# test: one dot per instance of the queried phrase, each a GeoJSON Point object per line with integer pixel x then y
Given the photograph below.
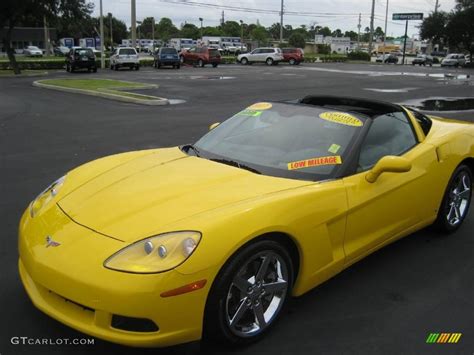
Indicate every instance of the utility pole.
{"type": "Point", "coordinates": [134, 24]}
{"type": "Point", "coordinates": [153, 34]}
{"type": "Point", "coordinates": [385, 33]}
{"type": "Point", "coordinates": [281, 22]}
{"type": "Point", "coordinates": [201, 19]}
{"type": "Point", "coordinates": [371, 27]}
{"type": "Point", "coordinates": [222, 19]}
{"type": "Point", "coordinates": [241, 35]}
{"type": "Point", "coordinates": [111, 33]}
{"type": "Point", "coordinates": [436, 6]}
{"type": "Point", "coordinates": [46, 36]}
{"type": "Point", "coordinates": [358, 33]}
{"type": "Point", "coordinates": [102, 55]}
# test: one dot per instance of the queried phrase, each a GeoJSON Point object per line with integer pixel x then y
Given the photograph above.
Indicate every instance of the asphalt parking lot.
{"type": "Point", "coordinates": [387, 303]}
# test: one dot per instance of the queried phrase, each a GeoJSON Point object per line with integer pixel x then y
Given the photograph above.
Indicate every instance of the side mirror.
{"type": "Point", "coordinates": [214, 125]}
{"type": "Point", "coordinates": [388, 164]}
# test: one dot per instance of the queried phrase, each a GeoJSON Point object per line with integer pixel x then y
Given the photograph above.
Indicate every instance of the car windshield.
{"type": "Point", "coordinates": [85, 51]}
{"type": "Point", "coordinates": [451, 56]}
{"type": "Point", "coordinates": [287, 140]}
{"type": "Point", "coordinates": [127, 51]}
{"type": "Point", "coordinates": [168, 51]}
{"type": "Point", "coordinates": [214, 52]}
{"type": "Point", "coordinates": [33, 47]}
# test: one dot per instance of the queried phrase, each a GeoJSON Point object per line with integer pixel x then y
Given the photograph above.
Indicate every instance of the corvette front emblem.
{"type": "Point", "coordinates": [51, 243]}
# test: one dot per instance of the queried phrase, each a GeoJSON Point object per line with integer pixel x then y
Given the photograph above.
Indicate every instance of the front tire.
{"type": "Point", "coordinates": [292, 61]}
{"type": "Point", "coordinates": [200, 63]}
{"type": "Point", "coordinates": [456, 201]}
{"type": "Point", "coordinates": [244, 61]}
{"type": "Point", "coordinates": [269, 61]}
{"type": "Point", "coordinates": [249, 293]}
{"type": "Point", "coordinates": [214, 65]}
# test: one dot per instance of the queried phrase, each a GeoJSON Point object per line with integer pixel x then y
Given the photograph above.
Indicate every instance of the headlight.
{"type": "Point", "coordinates": [155, 254]}
{"type": "Point", "coordinates": [46, 196]}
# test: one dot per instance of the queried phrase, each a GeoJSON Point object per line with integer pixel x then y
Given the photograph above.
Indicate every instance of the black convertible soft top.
{"type": "Point", "coordinates": [371, 108]}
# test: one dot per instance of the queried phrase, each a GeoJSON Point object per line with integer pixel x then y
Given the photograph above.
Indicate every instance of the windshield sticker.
{"type": "Point", "coordinates": [251, 113]}
{"type": "Point", "coordinates": [334, 148]}
{"type": "Point", "coordinates": [309, 163]}
{"type": "Point", "coordinates": [341, 118]}
{"type": "Point", "coordinates": [260, 106]}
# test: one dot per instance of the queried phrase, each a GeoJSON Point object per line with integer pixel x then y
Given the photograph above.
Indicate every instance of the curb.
{"type": "Point", "coordinates": [107, 95]}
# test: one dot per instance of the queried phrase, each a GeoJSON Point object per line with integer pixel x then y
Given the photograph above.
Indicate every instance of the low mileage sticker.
{"type": "Point", "coordinates": [341, 118]}
{"type": "Point", "coordinates": [309, 163]}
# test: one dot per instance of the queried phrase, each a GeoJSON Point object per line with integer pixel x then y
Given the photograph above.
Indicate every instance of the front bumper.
{"type": "Point", "coordinates": [70, 284]}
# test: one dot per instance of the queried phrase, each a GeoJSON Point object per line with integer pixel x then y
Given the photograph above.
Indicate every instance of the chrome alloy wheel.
{"type": "Point", "coordinates": [256, 294]}
{"type": "Point", "coordinates": [459, 198]}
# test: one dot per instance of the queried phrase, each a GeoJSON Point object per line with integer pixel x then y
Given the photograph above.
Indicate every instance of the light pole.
{"type": "Point", "coordinates": [385, 34]}
{"type": "Point", "coordinates": [111, 33]}
{"type": "Point", "coordinates": [201, 19]}
{"type": "Point", "coordinates": [371, 28]}
{"type": "Point", "coordinates": [102, 56]}
{"type": "Point", "coordinates": [281, 22]}
{"type": "Point", "coordinates": [134, 24]}
{"type": "Point", "coordinates": [139, 36]}
{"type": "Point", "coordinates": [241, 36]}
{"type": "Point", "coordinates": [153, 34]}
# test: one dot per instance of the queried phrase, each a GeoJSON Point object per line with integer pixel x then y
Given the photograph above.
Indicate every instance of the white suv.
{"type": "Point", "coordinates": [269, 56]}
{"type": "Point", "coordinates": [124, 57]}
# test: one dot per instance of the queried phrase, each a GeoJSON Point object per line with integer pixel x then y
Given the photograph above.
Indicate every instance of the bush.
{"type": "Point", "coordinates": [297, 40]}
{"type": "Point", "coordinates": [359, 56]}
{"type": "Point", "coordinates": [323, 48]}
{"type": "Point", "coordinates": [57, 64]}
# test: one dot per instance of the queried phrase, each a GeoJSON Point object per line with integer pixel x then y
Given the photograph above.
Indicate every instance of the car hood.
{"type": "Point", "coordinates": [139, 198]}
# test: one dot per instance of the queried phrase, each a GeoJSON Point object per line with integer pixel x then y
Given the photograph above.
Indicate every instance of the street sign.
{"type": "Point", "coordinates": [408, 16]}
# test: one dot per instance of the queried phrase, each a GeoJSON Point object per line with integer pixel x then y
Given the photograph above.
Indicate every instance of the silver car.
{"type": "Point", "coordinates": [32, 51]}
{"type": "Point", "coordinates": [454, 60]}
{"type": "Point", "coordinates": [270, 56]}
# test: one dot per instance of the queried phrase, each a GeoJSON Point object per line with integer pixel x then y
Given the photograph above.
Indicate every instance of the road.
{"type": "Point", "coordinates": [384, 304]}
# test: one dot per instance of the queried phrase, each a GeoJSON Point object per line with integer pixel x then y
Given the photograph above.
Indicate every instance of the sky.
{"type": "Point", "coordinates": [342, 14]}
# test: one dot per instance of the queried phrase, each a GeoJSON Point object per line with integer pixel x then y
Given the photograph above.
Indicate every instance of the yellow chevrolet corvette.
{"type": "Point", "coordinates": [166, 246]}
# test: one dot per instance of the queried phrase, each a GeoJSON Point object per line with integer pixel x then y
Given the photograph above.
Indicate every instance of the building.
{"type": "Point", "coordinates": [339, 45]}
{"type": "Point", "coordinates": [28, 36]}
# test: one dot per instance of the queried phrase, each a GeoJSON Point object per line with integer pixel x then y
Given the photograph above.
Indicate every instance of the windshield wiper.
{"type": "Point", "coordinates": [236, 164]}
{"type": "Point", "coordinates": [192, 147]}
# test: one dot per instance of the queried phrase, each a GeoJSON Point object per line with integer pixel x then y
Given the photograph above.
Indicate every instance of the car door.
{"type": "Point", "coordinates": [190, 56]}
{"type": "Point", "coordinates": [396, 202]}
{"type": "Point", "coordinates": [256, 55]}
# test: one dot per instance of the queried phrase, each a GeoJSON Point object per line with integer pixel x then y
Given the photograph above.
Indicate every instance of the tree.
{"type": "Point", "coordinates": [211, 31]}
{"type": "Point", "coordinates": [325, 31]}
{"type": "Point", "coordinates": [297, 40]}
{"type": "Point", "coordinates": [259, 34]}
{"type": "Point", "coordinates": [17, 12]}
{"type": "Point", "coordinates": [433, 27]}
{"type": "Point", "coordinates": [337, 33]}
{"type": "Point", "coordinates": [231, 29]}
{"type": "Point", "coordinates": [379, 33]}
{"type": "Point", "coordinates": [189, 30]}
{"type": "Point", "coordinates": [165, 29]}
{"type": "Point", "coordinates": [119, 30]}
{"type": "Point", "coordinates": [352, 35]}
{"type": "Point", "coordinates": [460, 29]}
{"type": "Point", "coordinates": [146, 27]}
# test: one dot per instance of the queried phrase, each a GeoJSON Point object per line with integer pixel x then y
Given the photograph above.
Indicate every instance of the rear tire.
{"type": "Point", "coordinates": [94, 69]}
{"type": "Point", "coordinates": [178, 66]}
{"type": "Point", "coordinates": [269, 61]}
{"type": "Point", "coordinates": [249, 293]}
{"type": "Point", "coordinates": [456, 201]}
{"type": "Point", "coordinates": [214, 65]}
{"type": "Point", "coordinates": [200, 63]}
{"type": "Point", "coordinates": [292, 61]}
